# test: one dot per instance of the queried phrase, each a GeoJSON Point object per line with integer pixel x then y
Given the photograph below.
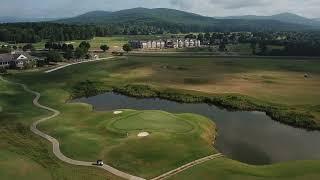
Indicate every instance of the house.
{"type": "Point", "coordinates": [5, 60]}
{"type": "Point", "coordinates": [15, 60]}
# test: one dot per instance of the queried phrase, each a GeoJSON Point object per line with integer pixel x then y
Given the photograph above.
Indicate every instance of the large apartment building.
{"type": "Point", "coordinates": [162, 44]}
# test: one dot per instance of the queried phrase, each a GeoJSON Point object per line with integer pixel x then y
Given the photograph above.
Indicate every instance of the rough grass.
{"type": "Point", "coordinates": [224, 169]}
{"type": "Point", "coordinates": [24, 155]}
{"type": "Point", "coordinates": [83, 136]}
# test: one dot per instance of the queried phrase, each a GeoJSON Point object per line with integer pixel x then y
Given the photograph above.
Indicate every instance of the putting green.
{"type": "Point", "coordinates": [151, 121]}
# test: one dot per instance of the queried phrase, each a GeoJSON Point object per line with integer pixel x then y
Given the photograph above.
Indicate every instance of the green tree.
{"type": "Point", "coordinates": [68, 54]}
{"type": "Point", "coordinates": [253, 46]}
{"type": "Point", "coordinates": [54, 56]}
{"type": "Point", "coordinates": [85, 45]}
{"type": "Point", "coordinates": [222, 47]}
{"type": "Point", "coordinates": [127, 48]}
{"type": "Point", "coordinates": [104, 47]}
{"type": "Point", "coordinates": [28, 47]}
{"type": "Point", "coordinates": [80, 53]}
{"type": "Point", "coordinates": [200, 37]}
{"type": "Point", "coordinates": [263, 47]}
{"type": "Point", "coordinates": [207, 36]}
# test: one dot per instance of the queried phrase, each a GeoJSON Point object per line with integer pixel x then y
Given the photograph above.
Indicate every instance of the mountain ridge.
{"type": "Point", "coordinates": [170, 17]}
{"type": "Point", "coordinates": [283, 17]}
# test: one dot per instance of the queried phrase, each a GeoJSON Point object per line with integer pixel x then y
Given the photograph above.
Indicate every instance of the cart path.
{"type": "Point", "coordinates": [70, 64]}
{"type": "Point", "coordinates": [55, 142]}
{"type": "Point", "coordinates": [187, 166]}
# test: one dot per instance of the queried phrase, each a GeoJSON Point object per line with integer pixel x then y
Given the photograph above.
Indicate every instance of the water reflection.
{"type": "Point", "coordinates": [250, 137]}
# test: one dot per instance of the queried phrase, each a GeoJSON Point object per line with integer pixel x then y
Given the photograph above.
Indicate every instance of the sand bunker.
{"type": "Point", "coordinates": [143, 134]}
{"type": "Point", "coordinates": [117, 112]}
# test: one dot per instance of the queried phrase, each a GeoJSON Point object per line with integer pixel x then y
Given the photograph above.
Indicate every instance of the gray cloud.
{"type": "Point", "coordinates": [63, 8]}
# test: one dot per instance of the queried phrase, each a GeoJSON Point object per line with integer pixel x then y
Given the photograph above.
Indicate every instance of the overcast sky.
{"type": "Point", "coordinates": [67, 8]}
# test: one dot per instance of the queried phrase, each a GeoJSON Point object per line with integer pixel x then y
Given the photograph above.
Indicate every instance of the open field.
{"type": "Point", "coordinates": [274, 80]}
{"type": "Point", "coordinates": [224, 169]}
{"type": "Point", "coordinates": [86, 135]}
{"type": "Point", "coordinates": [114, 42]}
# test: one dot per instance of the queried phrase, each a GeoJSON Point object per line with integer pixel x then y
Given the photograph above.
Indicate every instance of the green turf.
{"type": "Point", "coordinates": [151, 121]}
{"type": "Point", "coordinates": [14, 166]}
{"type": "Point", "coordinates": [225, 169]}
{"type": "Point", "coordinates": [87, 135]}
{"type": "Point", "coordinates": [24, 155]}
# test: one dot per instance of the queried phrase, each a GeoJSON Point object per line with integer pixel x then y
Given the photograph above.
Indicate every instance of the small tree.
{"type": "Point", "coordinates": [263, 47]}
{"type": "Point", "coordinates": [222, 47]}
{"type": "Point", "coordinates": [253, 46]}
{"type": "Point", "coordinates": [80, 53]}
{"type": "Point", "coordinates": [68, 54]}
{"type": "Point", "coordinates": [104, 48]}
{"type": "Point", "coordinates": [127, 48]}
{"type": "Point", "coordinates": [85, 45]}
{"type": "Point", "coordinates": [28, 47]}
{"type": "Point", "coordinates": [48, 45]}
{"type": "Point", "coordinates": [3, 70]}
{"type": "Point", "coordinates": [54, 56]}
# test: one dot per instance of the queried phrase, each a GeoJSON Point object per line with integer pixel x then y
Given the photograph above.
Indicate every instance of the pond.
{"type": "Point", "coordinates": [249, 137]}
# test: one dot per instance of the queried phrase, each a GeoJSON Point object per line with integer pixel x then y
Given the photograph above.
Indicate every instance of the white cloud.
{"type": "Point", "coordinates": [245, 7]}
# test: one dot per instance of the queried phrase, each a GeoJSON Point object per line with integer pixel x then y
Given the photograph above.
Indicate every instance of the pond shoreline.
{"type": "Point", "coordinates": [280, 113]}
{"type": "Point", "coordinates": [233, 102]}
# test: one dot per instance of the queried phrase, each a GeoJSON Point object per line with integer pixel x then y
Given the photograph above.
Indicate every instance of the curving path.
{"type": "Point", "coordinates": [55, 142]}
{"type": "Point", "coordinates": [187, 166]}
{"type": "Point", "coordinates": [80, 62]}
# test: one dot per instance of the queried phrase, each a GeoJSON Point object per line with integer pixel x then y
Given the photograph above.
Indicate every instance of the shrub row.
{"type": "Point", "coordinates": [283, 114]}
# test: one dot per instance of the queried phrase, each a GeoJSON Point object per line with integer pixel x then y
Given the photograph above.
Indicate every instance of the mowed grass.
{"type": "Point", "coordinates": [173, 140]}
{"type": "Point", "coordinates": [85, 134]}
{"type": "Point", "coordinates": [151, 121]}
{"type": "Point", "coordinates": [225, 169]}
{"type": "Point", "coordinates": [24, 155]}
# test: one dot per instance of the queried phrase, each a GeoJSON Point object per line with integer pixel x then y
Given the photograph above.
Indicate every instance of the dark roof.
{"type": "Point", "coordinates": [12, 57]}
{"type": "Point", "coordinates": [6, 57]}
{"type": "Point", "coordinates": [15, 56]}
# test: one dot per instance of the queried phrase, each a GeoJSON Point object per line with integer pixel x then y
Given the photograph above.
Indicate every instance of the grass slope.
{"type": "Point", "coordinates": [87, 135]}
{"type": "Point", "coordinates": [224, 169]}
{"type": "Point", "coordinates": [25, 155]}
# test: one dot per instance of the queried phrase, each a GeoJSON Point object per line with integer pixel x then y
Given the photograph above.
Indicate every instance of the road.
{"type": "Point", "coordinates": [80, 62]}
{"type": "Point", "coordinates": [55, 142]}
{"type": "Point", "coordinates": [187, 166]}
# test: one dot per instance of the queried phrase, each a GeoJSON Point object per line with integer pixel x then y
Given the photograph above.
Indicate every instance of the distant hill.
{"type": "Point", "coordinates": [283, 17]}
{"type": "Point", "coordinates": [9, 19]}
{"type": "Point", "coordinates": [316, 19]}
{"type": "Point", "coordinates": [166, 18]}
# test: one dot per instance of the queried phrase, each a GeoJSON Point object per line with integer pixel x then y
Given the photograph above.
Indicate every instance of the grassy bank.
{"type": "Point", "coordinates": [175, 139]}
{"type": "Point", "coordinates": [278, 112]}
{"type": "Point", "coordinates": [224, 169]}
{"type": "Point", "coordinates": [83, 133]}
{"type": "Point", "coordinates": [24, 155]}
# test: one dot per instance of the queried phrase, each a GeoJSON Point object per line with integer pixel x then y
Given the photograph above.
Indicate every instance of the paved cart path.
{"type": "Point", "coordinates": [62, 157]}
{"type": "Point", "coordinates": [187, 166]}
{"type": "Point", "coordinates": [80, 62]}
{"type": "Point", "coordinates": [55, 142]}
